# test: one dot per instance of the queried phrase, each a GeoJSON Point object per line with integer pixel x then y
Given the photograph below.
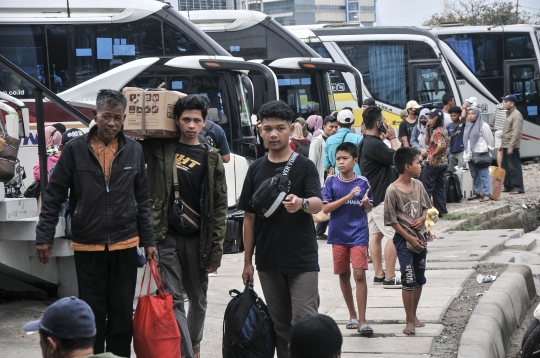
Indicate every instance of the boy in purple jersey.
{"type": "Point", "coordinates": [347, 197]}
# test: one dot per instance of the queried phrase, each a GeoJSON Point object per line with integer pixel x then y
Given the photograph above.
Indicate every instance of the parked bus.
{"type": "Point", "coordinates": [398, 64]}
{"type": "Point", "coordinates": [304, 77]}
{"type": "Point", "coordinates": [64, 44]}
{"type": "Point", "coordinates": [504, 59]}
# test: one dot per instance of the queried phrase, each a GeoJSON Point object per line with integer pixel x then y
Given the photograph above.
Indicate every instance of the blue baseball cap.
{"type": "Point", "coordinates": [509, 97]}
{"type": "Point", "coordinates": [67, 318]}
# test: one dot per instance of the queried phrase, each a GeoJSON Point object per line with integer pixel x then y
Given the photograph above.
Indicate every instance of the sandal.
{"type": "Point", "coordinates": [365, 330]}
{"type": "Point", "coordinates": [352, 324]}
{"type": "Point", "coordinates": [485, 198]}
{"type": "Point", "coordinates": [515, 192]}
{"type": "Point", "coordinates": [473, 197]}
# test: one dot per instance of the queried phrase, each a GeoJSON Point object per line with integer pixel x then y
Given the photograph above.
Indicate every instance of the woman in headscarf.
{"type": "Point", "coordinates": [298, 141]}
{"type": "Point", "coordinates": [305, 131]}
{"type": "Point", "coordinates": [315, 123]}
{"type": "Point", "coordinates": [418, 135]}
{"type": "Point", "coordinates": [53, 140]}
{"type": "Point", "coordinates": [437, 140]}
{"type": "Point", "coordinates": [478, 140]}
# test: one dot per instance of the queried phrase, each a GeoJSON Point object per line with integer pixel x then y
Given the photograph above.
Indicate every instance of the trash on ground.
{"type": "Point", "coordinates": [486, 278]}
{"type": "Point", "coordinates": [480, 294]}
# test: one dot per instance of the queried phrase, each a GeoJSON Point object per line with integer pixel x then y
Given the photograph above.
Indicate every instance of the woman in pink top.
{"type": "Point", "coordinates": [53, 142]}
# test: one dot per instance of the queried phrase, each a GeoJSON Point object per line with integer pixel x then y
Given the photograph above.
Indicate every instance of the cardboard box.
{"type": "Point", "coordinates": [149, 113]}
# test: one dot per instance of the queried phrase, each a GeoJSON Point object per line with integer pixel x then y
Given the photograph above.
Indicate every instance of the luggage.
{"type": "Point", "coordinates": [233, 242]}
{"type": "Point", "coordinates": [155, 331]}
{"type": "Point", "coordinates": [247, 328]}
{"type": "Point", "coordinates": [453, 188]}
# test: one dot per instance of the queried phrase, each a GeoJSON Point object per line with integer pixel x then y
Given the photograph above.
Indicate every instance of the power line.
{"type": "Point", "coordinates": [528, 7]}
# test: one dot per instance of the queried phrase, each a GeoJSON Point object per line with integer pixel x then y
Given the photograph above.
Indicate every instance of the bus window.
{"type": "Point", "coordinates": [421, 50]}
{"type": "Point", "coordinates": [23, 45]}
{"type": "Point", "coordinates": [80, 52]}
{"type": "Point", "coordinates": [384, 69]}
{"type": "Point", "coordinates": [525, 87]}
{"type": "Point", "coordinates": [518, 45]}
{"type": "Point", "coordinates": [430, 86]}
{"type": "Point", "coordinates": [248, 43]}
{"type": "Point", "coordinates": [299, 90]}
{"type": "Point", "coordinates": [176, 43]}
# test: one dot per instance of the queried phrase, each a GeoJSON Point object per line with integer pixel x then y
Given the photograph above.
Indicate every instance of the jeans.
{"type": "Point", "coordinates": [435, 185]}
{"type": "Point", "coordinates": [106, 281]}
{"type": "Point", "coordinates": [289, 297]}
{"type": "Point", "coordinates": [321, 227]}
{"type": "Point", "coordinates": [179, 269]}
{"type": "Point", "coordinates": [455, 160]}
{"type": "Point", "coordinates": [481, 179]}
{"type": "Point", "coordinates": [514, 174]}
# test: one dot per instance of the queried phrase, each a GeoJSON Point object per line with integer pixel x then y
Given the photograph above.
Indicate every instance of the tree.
{"type": "Point", "coordinates": [483, 12]}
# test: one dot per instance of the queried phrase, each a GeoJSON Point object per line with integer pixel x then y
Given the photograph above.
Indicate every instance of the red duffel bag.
{"type": "Point", "coordinates": [155, 331]}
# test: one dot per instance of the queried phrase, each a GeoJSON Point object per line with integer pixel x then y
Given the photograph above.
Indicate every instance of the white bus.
{"type": "Point", "coordinates": [306, 81]}
{"type": "Point", "coordinates": [63, 44]}
{"type": "Point", "coordinates": [504, 59]}
{"type": "Point", "coordinates": [398, 64]}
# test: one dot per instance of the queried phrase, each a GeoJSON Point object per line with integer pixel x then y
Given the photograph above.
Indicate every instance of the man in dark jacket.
{"type": "Point", "coordinates": [187, 252]}
{"type": "Point", "coordinates": [104, 172]}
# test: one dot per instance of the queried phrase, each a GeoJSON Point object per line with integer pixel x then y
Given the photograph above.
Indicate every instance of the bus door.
{"type": "Point", "coordinates": [427, 83]}
{"type": "Point", "coordinates": [523, 82]}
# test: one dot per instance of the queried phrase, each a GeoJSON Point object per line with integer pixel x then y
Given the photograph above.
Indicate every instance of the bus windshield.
{"type": "Point", "coordinates": [300, 91]}
{"type": "Point", "coordinates": [61, 56]}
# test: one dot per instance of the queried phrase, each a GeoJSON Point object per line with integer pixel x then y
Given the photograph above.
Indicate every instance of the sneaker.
{"type": "Point", "coordinates": [379, 280]}
{"type": "Point", "coordinates": [393, 283]}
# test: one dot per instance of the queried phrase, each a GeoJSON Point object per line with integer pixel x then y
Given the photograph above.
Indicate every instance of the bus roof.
{"type": "Point", "coordinates": [54, 11]}
{"type": "Point", "coordinates": [373, 30]}
{"type": "Point", "coordinates": [237, 20]}
{"type": "Point", "coordinates": [458, 29]}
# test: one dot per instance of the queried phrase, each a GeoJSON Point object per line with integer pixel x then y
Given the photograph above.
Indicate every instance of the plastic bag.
{"type": "Point", "coordinates": [155, 331]}
{"type": "Point", "coordinates": [497, 181]}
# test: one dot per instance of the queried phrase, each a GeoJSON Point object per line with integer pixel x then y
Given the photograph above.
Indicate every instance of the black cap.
{"type": "Point", "coordinates": [369, 102]}
{"type": "Point", "coordinates": [315, 335]}
{"type": "Point", "coordinates": [435, 113]}
{"type": "Point", "coordinates": [67, 318]}
{"type": "Point", "coordinates": [70, 134]}
{"type": "Point", "coordinates": [60, 127]}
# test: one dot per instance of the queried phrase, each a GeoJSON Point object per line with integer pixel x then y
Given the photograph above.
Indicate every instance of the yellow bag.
{"type": "Point", "coordinates": [497, 181]}
{"type": "Point", "coordinates": [320, 217]}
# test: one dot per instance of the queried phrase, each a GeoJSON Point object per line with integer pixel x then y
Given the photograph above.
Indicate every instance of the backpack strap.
{"type": "Point", "coordinates": [205, 130]}
{"type": "Point", "coordinates": [344, 137]}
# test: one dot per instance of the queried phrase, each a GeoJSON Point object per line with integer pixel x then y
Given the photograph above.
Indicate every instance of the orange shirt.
{"type": "Point", "coordinates": [105, 154]}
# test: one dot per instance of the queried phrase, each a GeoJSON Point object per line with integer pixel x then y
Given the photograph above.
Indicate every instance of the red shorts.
{"type": "Point", "coordinates": [345, 255]}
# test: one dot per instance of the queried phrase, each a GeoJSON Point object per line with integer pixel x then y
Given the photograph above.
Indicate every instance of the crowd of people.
{"type": "Point", "coordinates": [170, 197]}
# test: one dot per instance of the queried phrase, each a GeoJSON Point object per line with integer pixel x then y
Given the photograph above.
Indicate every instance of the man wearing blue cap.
{"type": "Point", "coordinates": [67, 329]}
{"type": "Point", "coordinates": [511, 141]}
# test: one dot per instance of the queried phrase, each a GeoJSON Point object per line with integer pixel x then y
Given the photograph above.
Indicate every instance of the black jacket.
{"type": "Point", "coordinates": [100, 214]}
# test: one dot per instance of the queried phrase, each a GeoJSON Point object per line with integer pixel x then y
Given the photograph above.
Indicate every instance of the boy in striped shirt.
{"type": "Point", "coordinates": [347, 197]}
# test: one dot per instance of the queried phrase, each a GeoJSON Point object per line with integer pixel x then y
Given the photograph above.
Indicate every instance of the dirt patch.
{"type": "Point", "coordinates": [457, 315]}
{"type": "Point", "coordinates": [514, 346]}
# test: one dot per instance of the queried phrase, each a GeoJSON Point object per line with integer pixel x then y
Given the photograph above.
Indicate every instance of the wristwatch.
{"type": "Point", "coordinates": [305, 204]}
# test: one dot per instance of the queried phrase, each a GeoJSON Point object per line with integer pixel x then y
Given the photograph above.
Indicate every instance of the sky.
{"type": "Point", "coordinates": [415, 12]}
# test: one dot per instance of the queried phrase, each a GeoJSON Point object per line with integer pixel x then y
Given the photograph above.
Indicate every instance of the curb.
{"type": "Point", "coordinates": [498, 314]}
{"type": "Point", "coordinates": [483, 217]}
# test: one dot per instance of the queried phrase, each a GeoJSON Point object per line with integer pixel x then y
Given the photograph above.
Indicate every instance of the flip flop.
{"type": "Point", "coordinates": [515, 192]}
{"type": "Point", "coordinates": [473, 197]}
{"type": "Point", "coordinates": [365, 330]}
{"type": "Point", "coordinates": [487, 198]}
{"type": "Point", "coordinates": [352, 324]}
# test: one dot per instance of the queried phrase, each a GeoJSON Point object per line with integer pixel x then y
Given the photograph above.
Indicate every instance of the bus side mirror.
{"type": "Point", "coordinates": [250, 97]}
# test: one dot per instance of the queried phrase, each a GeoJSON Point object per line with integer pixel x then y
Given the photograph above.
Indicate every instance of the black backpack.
{"type": "Point", "coordinates": [247, 328]}
{"type": "Point", "coordinates": [302, 148]}
{"type": "Point", "coordinates": [453, 188]}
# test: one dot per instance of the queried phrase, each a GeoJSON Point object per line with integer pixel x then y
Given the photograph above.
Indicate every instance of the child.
{"type": "Point", "coordinates": [455, 131]}
{"type": "Point", "coordinates": [347, 197]}
{"type": "Point", "coordinates": [405, 209]}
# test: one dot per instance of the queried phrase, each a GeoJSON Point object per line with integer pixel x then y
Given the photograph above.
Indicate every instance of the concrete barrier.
{"type": "Point", "coordinates": [498, 314]}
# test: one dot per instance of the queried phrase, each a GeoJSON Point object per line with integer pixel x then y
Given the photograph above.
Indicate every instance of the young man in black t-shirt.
{"type": "Point", "coordinates": [287, 251]}
{"type": "Point", "coordinates": [376, 161]}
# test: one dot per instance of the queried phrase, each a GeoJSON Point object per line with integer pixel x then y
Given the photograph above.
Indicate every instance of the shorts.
{"type": "Point", "coordinates": [412, 266]}
{"type": "Point", "coordinates": [345, 255]}
{"type": "Point", "coordinates": [498, 139]}
{"type": "Point", "coordinates": [376, 222]}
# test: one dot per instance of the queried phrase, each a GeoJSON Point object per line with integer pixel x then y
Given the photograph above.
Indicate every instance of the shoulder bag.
{"type": "Point", "coordinates": [182, 217]}
{"type": "Point", "coordinates": [268, 197]}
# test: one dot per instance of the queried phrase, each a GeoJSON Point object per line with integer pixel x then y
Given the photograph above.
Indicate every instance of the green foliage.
{"type": "Point", "coordinates": [460, 216]}
{"type": "Point", "coordinates": [483, 12]}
